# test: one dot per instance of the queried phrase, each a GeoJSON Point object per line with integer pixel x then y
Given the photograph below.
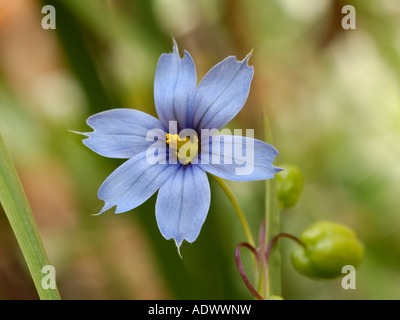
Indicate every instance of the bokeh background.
{"type": "Point", "coordinates": [332, 96]}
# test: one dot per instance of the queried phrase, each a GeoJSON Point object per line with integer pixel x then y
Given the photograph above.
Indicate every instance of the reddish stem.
{"type": "Point", "coordinates": [277, 237]}
{"type": "Point", "coordinates": [242, 272]}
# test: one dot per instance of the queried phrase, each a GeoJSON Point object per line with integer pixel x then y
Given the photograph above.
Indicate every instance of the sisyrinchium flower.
{"type": "Point", "coordinates": [173, 153]}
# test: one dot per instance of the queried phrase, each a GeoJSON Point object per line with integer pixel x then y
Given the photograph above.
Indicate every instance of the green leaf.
{"type": "Point", "coordinates": [19, 214]}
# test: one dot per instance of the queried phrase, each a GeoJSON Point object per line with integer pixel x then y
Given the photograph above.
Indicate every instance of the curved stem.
{"type": "Point", "coordinates": [277, 237]}
{"type": "Point", "coordinates": [238, 210]}
{"type": "Point", "coordinates": [19, 214]}
{"type": "Point", "coordinates": [243, 272]}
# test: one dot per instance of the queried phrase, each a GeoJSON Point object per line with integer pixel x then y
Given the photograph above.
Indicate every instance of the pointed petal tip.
{"type": "Point", "coordinates": [175, 50]}
{"type": "Point", "coordinates": [277, 170]}
{"type": "Point", "coordinates": [108, 207]}
{"type": "Point", "coordinates": [178, 247]}
{"type": "Point", "coordinates": [78, 132]}
{"type": "Point", "coordinates": [248, 55]}
{"type": "Point", "coordinates": [175, 46]}
{"type": "Point", "coordinates": [96, 214]}
{"type": "Point", "coordinates": [105, 208]}
{"type": "Point", "coordinates": [101, 211]}
{"type": "Point", "coordinates": [247, 58]}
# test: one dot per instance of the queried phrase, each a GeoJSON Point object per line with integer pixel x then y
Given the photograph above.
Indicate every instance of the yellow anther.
{"type": "Point", "coordinates": [175, 141]}
{"type": "Point", "coordinates": [186, 148]}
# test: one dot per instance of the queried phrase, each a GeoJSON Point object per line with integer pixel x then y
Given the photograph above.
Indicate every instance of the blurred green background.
{"type": "Point", "coordinates": [332, 96]}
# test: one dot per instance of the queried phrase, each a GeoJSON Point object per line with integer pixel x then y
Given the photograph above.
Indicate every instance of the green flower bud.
{"type": "Point", "coordinates": [289, 186]}
{"type": "Point", "coordinates": [329, 247]}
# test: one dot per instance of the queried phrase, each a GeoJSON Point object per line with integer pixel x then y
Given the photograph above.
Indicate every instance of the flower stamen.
{"type": "Point", "coordinates": [185, 148]}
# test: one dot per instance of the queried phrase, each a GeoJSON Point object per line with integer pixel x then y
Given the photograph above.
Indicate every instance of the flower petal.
{"type": "Point", "coordinates": [133, 183]}
{"type": "Point", "coordinates": [238, 158]}
{"type": "Point", "coordinates": [222, 93]}
{"type": "Point", "coordinates": [121, 133]}
{"type": "Point", "coordinates": [182, 204]}
{"type": "Point", "coordinates": [174, 88]}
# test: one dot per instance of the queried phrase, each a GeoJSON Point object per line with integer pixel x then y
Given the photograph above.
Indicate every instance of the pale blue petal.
{"type": "Point", "coordinates": [133, 183]}
{"type": "Point", "coordinates": [222, 93]}
{"type": "Point", "coordinates": [182, 204]}
{"type": "Point", "coordinates": [238, 158]}
{"type": "Point", "coordinates": [174, 88]}
{"type": "Point", "coordinates": [121, 133]}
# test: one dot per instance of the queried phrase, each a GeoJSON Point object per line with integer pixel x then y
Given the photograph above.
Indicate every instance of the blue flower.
{"type": "Point", "coordinates": [184, 194]}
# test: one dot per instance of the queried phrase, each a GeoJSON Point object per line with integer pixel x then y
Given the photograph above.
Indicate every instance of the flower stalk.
{"type": "Point", "coordinates": [19, 214]}
{"type": "Point", "coordinates": [238, 210]}
{"type": "Point", "coordinates": [272, 228]}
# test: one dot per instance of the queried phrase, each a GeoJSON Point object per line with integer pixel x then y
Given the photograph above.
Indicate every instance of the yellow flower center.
{"type": "Point", "coordinates": [185, 149]}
